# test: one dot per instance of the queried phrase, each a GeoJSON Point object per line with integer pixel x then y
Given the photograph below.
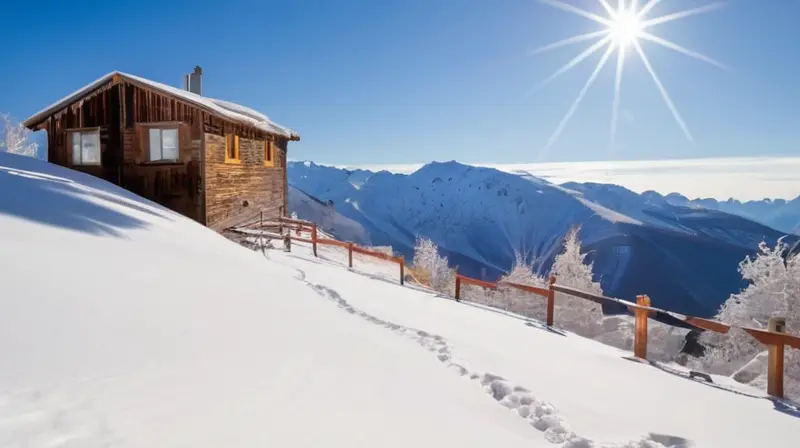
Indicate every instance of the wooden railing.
{"type": "Point", "coordinates": [774, 338]}
{"type": "Point", "coordinates": [300, 226]}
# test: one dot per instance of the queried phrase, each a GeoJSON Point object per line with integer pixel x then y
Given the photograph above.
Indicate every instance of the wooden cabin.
{"type": "Point", "coordinates": [214, 161]}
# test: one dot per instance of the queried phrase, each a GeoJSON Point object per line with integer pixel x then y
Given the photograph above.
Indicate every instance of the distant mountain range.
{"type": "Point", "coordinates": [779, 214]}
{"type": "Point", "coordinates": [684, 254]}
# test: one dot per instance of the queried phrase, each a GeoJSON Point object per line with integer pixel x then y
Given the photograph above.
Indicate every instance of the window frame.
{"type": "Point", "coordinates": [269, 153]}
{"type": "Point", "coordinates": [232, 139]}
{"type": "Point", "coordinates": [161, 129]}
{"type": "Point", "coordinates": [70, 134]}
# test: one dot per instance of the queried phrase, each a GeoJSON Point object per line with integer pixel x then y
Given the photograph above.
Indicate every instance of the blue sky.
{"type": "Point", "coordinates": [408, 81]}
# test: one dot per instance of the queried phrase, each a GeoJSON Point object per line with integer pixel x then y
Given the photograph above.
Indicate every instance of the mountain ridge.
{"type": "Point", "coordinates": [779, 213]}
{"type": "Point", "coordinates": [481, 217]}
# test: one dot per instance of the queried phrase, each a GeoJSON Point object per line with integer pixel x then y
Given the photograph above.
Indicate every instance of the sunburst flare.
{"type": "Point", "coordinates": [623, 28]}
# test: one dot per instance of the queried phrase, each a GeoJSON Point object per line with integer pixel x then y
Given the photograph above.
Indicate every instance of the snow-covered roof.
{"type": "Point", "coordinates": [225, 109]}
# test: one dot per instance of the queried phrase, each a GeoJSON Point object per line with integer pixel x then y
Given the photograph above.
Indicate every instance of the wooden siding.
{"type": "Point", "coordinates": [212, 193]}
{"type": "Point", "coordinates": [99, 109]}
{"type": "Point", "coordinates": [236, 192]}
{"type": "Point", "coordinates": [175, 185]}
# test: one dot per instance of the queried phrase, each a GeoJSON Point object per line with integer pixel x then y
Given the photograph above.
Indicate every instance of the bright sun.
{"type": "Point", "coordinates": [624, 27]}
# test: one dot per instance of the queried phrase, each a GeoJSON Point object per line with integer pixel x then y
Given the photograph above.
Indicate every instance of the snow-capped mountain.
{"type": "Point", "coordinates": [779, 214]}
{"type": "Point", "coordinates": [326, 217]}
{"type": "Point", "coordinates": [686, 259]}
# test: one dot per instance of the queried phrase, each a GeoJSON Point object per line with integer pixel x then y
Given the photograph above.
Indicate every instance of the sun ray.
{"type": "Point", "coordinates": [625, 24]}
{"type": "Point", "coordinates": [608, 8]}
{"type": "Point", "coordinates": [647, 7]}
{"type": "Point", "coordinates": [680, 49]}
{"type": "Point", "coordinates": [663, 91]}
{"type": "Point", "coordinates": [577, 60]}
{"type": "Point", "coordinates": [575, 10]}
{"type": "Point", "coordinates": [578, 100]}
{"type": "Point", "coordinates": [617, 88]}
{"type": "Point", "coordinates": [681, 14]}
{"type": "Point", "coordinates": [570, 40]}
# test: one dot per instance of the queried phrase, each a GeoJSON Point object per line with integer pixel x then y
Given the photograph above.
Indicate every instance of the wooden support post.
{"type": "Point", "coordinates": [551, 301]}
{"type": "Point", "coordinates": [775, 360]}
{"type": "Point", "coordinates": [458, 288]}
{"type": "Point", "coordinates": [287, 242]}
{"type": "Point", "coordinates": [640, 331]}
{"type": "Point", "coordinates": [261, 231]}
{"type": "Point", "coordinates": [402, 270]}
{"type": "Point", "coordinates": [350, 255]}
{"type": "Point", "coordinates": [314, 238]}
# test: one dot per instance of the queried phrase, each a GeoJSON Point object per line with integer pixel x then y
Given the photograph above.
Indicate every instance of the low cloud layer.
{"type": "Point", "coordinates": [744, 178]}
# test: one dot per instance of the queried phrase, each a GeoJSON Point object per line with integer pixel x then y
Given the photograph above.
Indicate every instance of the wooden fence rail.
{"type": "Point", "coordinates": [308, 226]}
{"type": "Point", "coordinates": [774, 338]}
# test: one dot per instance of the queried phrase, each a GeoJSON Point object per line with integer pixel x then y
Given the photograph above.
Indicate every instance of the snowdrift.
{"type": "Point", "coordinates": [124, 324]}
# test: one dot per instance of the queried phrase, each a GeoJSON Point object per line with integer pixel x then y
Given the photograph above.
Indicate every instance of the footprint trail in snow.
{"type": "Point", "coordinates": [542, 415]}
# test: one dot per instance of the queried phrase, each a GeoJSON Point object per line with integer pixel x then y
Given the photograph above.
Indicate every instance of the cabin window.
{"type": "Point", "coordinates": [85, 147]}
{"type": "Point", "coordinates": [232, 149]}
{"type": "Point", "coordinates": [269, 153]}
{"type": "Point", "coordinates": [163, 144]}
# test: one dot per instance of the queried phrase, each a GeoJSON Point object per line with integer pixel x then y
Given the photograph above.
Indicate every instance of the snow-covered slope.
{"type": "Point", "coordinates": [569, 388]}
{"type": "Point", "coordinates": [481, 216]}
{"type": "Point", "coordinates": [327, 218]}
{"type": "Point", "coordinates": [124, 324]}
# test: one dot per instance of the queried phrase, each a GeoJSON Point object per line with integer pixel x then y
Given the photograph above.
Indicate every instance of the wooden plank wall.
{"type": "Point", "coordinates": [238, 191]}
{"type": "Point", "coordinates": [211, 194]}
{"type": "Point", "coordinates": [93, 111]}
{"type": "Point", "coordinates": [174, 185]}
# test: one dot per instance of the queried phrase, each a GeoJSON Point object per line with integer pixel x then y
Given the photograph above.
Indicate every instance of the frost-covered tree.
{"type": "Point", "coordinates": [15, 138]}
{"type": "Point", "coordinates": [432, 267]}
{"type": "Point", "coordinates": [521, 302]}
{"type": "Point", "coordinates": [572, 313]}
{"type": "Point", "coordinates": [773, 291]}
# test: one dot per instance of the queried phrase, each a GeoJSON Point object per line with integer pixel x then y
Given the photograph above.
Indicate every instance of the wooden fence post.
{"type": "Point", "coordinates": [775, 360]}
{"type": "Point", "coordinates": [551, 301]}
{"type": "Point", "coordinates": [287, 242]}
{"type": "Point", "coordinates": [458, 288]}
{"type": "Point", "coordinates": [261, 231]}
{"type": "Point", "coordinates": [314, 238]}
{"type": "Point", "coordinates": [350, 255]}
{"type": "Point", "coordinates": [402, 269]}
{"type": "Point", "coordinates": [640, 332]}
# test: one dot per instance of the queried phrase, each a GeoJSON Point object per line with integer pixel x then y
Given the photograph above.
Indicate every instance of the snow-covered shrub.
{"type": "Point", "coordinates": [431, 268]}
{"type": "Point", "coordinates": [15, 138]}
{"type": "Point", "coordinates": [774, 291]}
{"type": "Point", "coordinates": [521, 302]}
{"type": "Point", "coordinates": [578, 315]}
{"type": "Point", "coordinates": [664, 342]}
